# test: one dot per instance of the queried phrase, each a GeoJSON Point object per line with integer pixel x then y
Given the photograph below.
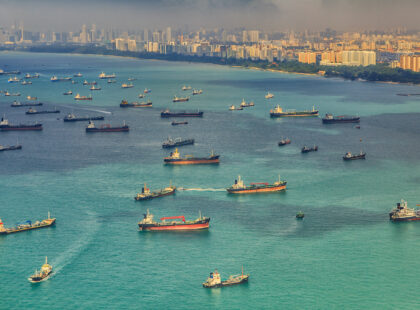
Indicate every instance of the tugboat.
{"type": "Point", "coordinates": [95, 88]}
{"type": "Point", "coordinates": [125, 85]}
{"type": "Point", "coordinates": [78, 97]}
{"type": "Point", "coordinates": [10, 147]}
{"type": "Point", "coordinates": [126, 104]}
{"type": "Point", "coordinates": [73, 118]}
{"type": "Point", "coordinates": [330, 119]}
{"type": "Point", "coordinates": [106, 128]}
{"type": "Point", "coordinates": [350, 156]}
{"type": "Point", "coordinates": [186, 87]}
{"type": "Point", "coordinates": [278, 112]}
{"type": "Point", "coordinates": [147, 91]}
{"type": "Point", "coordinates": [146, 194]}
{"type": "Point", "coordinates": [33, 111]}
{"type": "Point", "coordinates": [45, 272]}
{"type": "Point", "coordinates": [240, 188]}
{"type": "Point", "coordinates": [27, 226]}
{"type": "Point", "coordinates": [176, 142]}
{"type": "Point", "coordinates": [68, 93]}
{"type": "Point", "coordinates": [244, 104]}
{"type": "Point", "coordinates": [149, 224]}
{"type": "Point", "coordinates": [17, 104]}
{"type": "Point", "coordinates": [197, 92]}
{"type": "Point", "coordinates": [300, 215]}
{"type": "Point", "coordinates": [404, 214]}
{"type": "Point", "coordinates": [167, 113]}
{"type": "Point", "coordinates": [5, 126]}
{"type": "Point", "coordinates": [176, 159]}
{"type": "Point", "coordinates": [214, 280]}
{"type": "Point", "coordinates": [179, 123]}
{"type": "Point", "coordinates": [283, 142]}
{"type": "Point", "coordinates": [307, 149]}
{"type": "Point", "coordinates": [269, 95]}
{"type": "Point", "coordinates": [180, 99]}
{"type": "Point", "coordinates": [103, 75]}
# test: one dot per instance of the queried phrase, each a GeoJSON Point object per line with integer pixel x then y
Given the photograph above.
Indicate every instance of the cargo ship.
{"type": "Point", "coordinates": [7, 94]}
{"type": "Point", "coordinates": [330, 119]}
{"type": "Point", "coordinates": [168, 113]}
{"type": "Point", "coordinates": [17, 104]}
{"type": "Point", "coordinates": [233, 108]}
{"type": "Point", "coordinates": [197, 92]}
{"type": "Point", "coordinates": [307, 149]}
{"type": "Point", "coordinates": [112, 81]}
{"type": "Point", "coordinates": [214, 280]}
{"type": "Point", "coordinates": [78, 97]}
{"type": "Point", "coordinates": [180, 99]}
{"type": "Point", "coordinates": [10, 147]}
{"type": "Point", "coordinates": [67, 93]}
{"type": "Point", "coordinates": [85, 83]}
{"type": "Point", "coordinates": [31, 98]}
{"type": "Point", "coordinates": [245, 104]}
{"type": "Point", "coordinates": [147, 223]}
{"type": "Point", "coordinates": [240, 188]}
{"type": "Point", "coordinates": [176, 142]}
{"type": "Point", "coordinates": [283, 142]}
{"type": "Point", "coordinates": [73, 118]}
{"type": "Point", "coordinates": [45, 272]}
{"type": "Point", "coordinates": [14, 79]}
{"type": "Point", "coordinates": [105, 128]}
{"type": "Point", "coordinates": [186, 88]}
{"type": "Point", "coordinates": [64, 79]}
{"type": "Point", "coordinates": [126, 104]}
{"type": "Point", "coordinates": [350, 156]}
{"type": "Point", "coordinates": [103, 75]}
{"type": "Point", "coordinates": [125, 85]}
{"type": "Point", "coordinates": [28, 225]}
{"type": "Point", "coordinates": [2, 72]}
{"type": "Point", "coordinates": [28, 76]}
{"type": "Point", "coordinates": [404, 214]}
{"type": "Point", "coordinates": [5, 126]}
{"type": "Point", "coordinates": [278, 112]}
{"type": "Point", "coordinates": [176, 159]}
{"type": "Point", "coordinates": [33, 111]}
{"type": "Point", "coordinates": [141, 95]}
{"type": "Point", "coordinates": [146, 194]}
{"type": "Point", "coordinates": [179, 123]}
{"type": "Point", "coordinates": [95, 88]}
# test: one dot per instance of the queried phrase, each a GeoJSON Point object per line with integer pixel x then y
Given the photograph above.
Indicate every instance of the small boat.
{"type": "Point", "coordinates": [112, 81]}
{"type": "Point", "coordinates": [176, 142]}
{"type": "Point", "coordinates": [73, 118]}
{"type": "Point", "coordinates": [350, 156]}
{"type": "Point", "coordinates": [68, 93]}
{"type": "Point", "coordinates": [78, 97]}
{"type": "Point", "coordinates": [103, 75]}
{"type": "Point", "coordinates": [77, 75]}
{"type": "Point", "coordinates": [131, 79]}
{"type": "Point", "coordinates": [26, 83]}
{"type": "Point", "coordinates": [269, 95]}
{"type": "Point", "coordinates": [28, 225]}
{"type": "Point", "coordinates": [148, 224]}
{"type": "Point", "coordinates": [31, 98]}
{"type": "Point", "coordinates": [214, 280]}
{"type": "Point", "coordinates": [180, 99]}
{"type": "Point", "coordinates": [179, 123]}
{"type": "Point", "coordinates": [106, 128]}
{"type": "Point", "coordinates": [125, 85]}
{"type": "Point", "coordinates": [176, 159]}
{"type": "Point", "coordinates": [167, 113]}
{"type": "Point", "coordinates": [278, 112]}
{"type": "Point", "coordinates": [240, 188]}
{"type": "Point", "coordinates": [45, 272]}
{"type": "Point", "coordinates": [300, 215]}
{"type": "Point", "coordinates": [14, 79]}
{"type": "Point", "coordinates": [147, 91]}
{"type": "Point", "coordinates": [17, 104]}
{"type": "Point", "coordinates": [330, 119]}
{"type": "Point", "coordinates": [141, 95]}
{"type": "Point", "coordinates": [244, 104]}
{"type": "Point", "coordinates": [33, 111]}
{"type": "Point", "coordinates": [404, 214]}
{"type": "Point", "coordinates": [28, 76]}
{"type": "Point", "coordinates": [126, 104]}
{"type": "Point", "coordinates": [284, 142]}
{"type": "Point", "coordinates": [89, 83]}
{"type": "Point", "coordinates": [186, 87]}
{"type": "Point", "coordinates": [10, 147]}
{"type": "Point", "coordinates": [307, 149]}
{"type": "Point", "coordinates": [5, 126]}
{"type": "Point", "coordinates": [146, 194]}
{"type": "Point", "coordinates": [95, 88]}
{"type": "Point", "coordinates": [197, 92]}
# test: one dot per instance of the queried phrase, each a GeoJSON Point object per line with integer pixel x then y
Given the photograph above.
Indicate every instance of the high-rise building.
{"type": "Point", "coordinates": [83, 35]}
{"type": "Point", "coordinates": [253, 35]}
{"type": "Point", "coordinates": [168, 34]}
{"type": "Point", "coordinates": [146, 35]}
{"type": "Point", "coordinates": [244, 36]}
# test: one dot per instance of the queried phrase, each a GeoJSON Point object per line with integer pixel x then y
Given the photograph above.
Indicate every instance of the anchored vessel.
{"type": "Point", "coordinates": [307, 149]}
{"type": "Point", "coordinates": [125, 104]}
{"type": "Point", "coordinates": [10, 147]}
{"type": "Point", "coordinates": [28, 76]}
{"type": "Point", "coordinates": [26, 83]}
{"type": "Point", "coordinates": [240, 188]}
{"type": "Point", "coordinates": [5, 126]}
{"type": "Point", "coordinates": [64, 79]}
{"type": "Point", "coordinates": [233, 108]}
{"type": "Point", "coordinates": [300, 215]}
{"type": "Point", "coordinates": [17, 104]}
{"type": "Point", "coordinates": [180, 99]}
{"type": "Point", "coordinates": [67, 93]}
{"type": "Point", "coordinates": [106, 128]}
{"type": "Point", "coordinates": [95, 88]}
{"type": "Point", "coordinates": [269, 95]}
{"type": "Point", "coordinates": [147, 90]}
{"type": "Point", "coordinates": [178, 123]}
{"type": "Point", "coordinates": [350, 156]}
{"type": "Point", "coordinates": [85, 82]}
{"type": "Point", "coordinates": [284, 142]}
{"type": "Point", "coordinates": [177, 142]}
{"type": "Point", "coordinates": [33, 111]}
{"type": "Point", "coordinates": [197, 92]}
{"type": "Point", "coordinates": [31, 98]}
{"type": "Point", "coordinates": [73, 118]}
{"type": "Point", "coordinates": [28, 225]}
{"type": "Point", "coordinates": [186, 87]}
{"type": "Point", "coordinates": [214, 280]}
{"type": "Point", "coordinates": [176, 159]}
{"type": "Point", "coordinates": [404, 214]}
{"type": "Point", "coordinates": [14, 79]}
{"type": "Point", "coordinates": [146, 194]}
{"type": "Point", "coordinates": [278, 112]}
{"type": "Point", "coordinates": [78, 75]}
{"type": "Point", "coordinates": [149, 224]}
{"type": "Point", "coordinates": [245, 104]}
{"type": "Point", "coordinates": [330, 119]}
{"type": "Point", "coordinates": [78, 97]}
{"type": "Point", "coordinates": [168, 113]}
{"type": "Point", "coordinates": [103, 75]}
{"type": "Point", "coordinates": [45, 272]}
{"type": "Point", "coordinates": [125, 85]}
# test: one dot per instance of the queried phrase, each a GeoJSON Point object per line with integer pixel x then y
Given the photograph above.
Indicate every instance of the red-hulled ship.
{"type": "Point", "coordinates": [176, 159]}
{"type": "Point", "coordinates": [147, 223]}
{"type": "Point", "coordinates": [5, 126]}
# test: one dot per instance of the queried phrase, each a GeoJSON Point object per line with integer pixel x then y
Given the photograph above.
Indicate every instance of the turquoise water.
{"type": "Point", "coordinates": [345, 254]}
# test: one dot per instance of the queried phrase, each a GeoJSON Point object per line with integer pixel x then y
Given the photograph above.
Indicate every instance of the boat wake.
{"type": "Point", "coordinates": [78, 246]}
{"type": "Point", "coordinates": [202, 189]}
{"type": "Point", "coordinates": [94, 110]}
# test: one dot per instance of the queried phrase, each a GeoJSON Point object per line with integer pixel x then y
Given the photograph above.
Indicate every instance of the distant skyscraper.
{"type": "Point", "coordinates": [168, 34]}
{"type": "Point", "coordinates": [83, 35]}
{"type": "Point", "coordinates": [93, 33]}
{"type": "Point", "coordinates": [146, 35]}
{"type": "Point", "coordinates": [253, 35]}
{"type": "Point", "coordinates": [244, 36]}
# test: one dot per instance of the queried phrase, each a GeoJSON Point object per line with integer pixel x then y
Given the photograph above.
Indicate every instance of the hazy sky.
{"type": "Point", "coordinates": [268, 15]}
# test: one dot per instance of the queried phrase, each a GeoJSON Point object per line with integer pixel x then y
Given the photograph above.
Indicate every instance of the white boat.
{"type": "Point", "coordinates": [269, 95]}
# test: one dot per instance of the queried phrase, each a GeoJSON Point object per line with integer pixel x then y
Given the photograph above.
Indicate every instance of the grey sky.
{"type": "Point", "coordinates": [268, 15]}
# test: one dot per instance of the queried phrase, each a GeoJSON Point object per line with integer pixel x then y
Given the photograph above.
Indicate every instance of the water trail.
{"type": "Point", "coordinates": [79, 245]}
{"type": "Point", "coordinates": [203, 189]}
{"type": "Point", "coordinates": [95, 110]}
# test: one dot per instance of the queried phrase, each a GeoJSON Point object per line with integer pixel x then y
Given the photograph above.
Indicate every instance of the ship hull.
{"type": "Point", "coordinates": [227, 283]}
{"type": "Point", "coordinates": [122, 129]}
{"type": "Point", "coordinates": [42, 112]}
{"type": "Point", "coordinates": [155, 196]}
{"type": "Point", "coordinates": [16, 230]}
{"type": "Point", "coordinates": [167, 115]}
{"type": "Point", "coordinates": [256, 189]}
{"type": "Point", "coordinates": [147, 105]}
{"type": "Point", "coordinates": [23, 128]}
{"type": "Point", "coordinates": [343, 120]}
{"type": "Point", "coordinates": [354, 157]}
{"type": "Point", "coordinates": [168, 146]}
{"type": "Point", "coordinates": [192, 161]}
{"type": "Point", "coordinates": [25, 105]}
{"type": "Point", "coordinates": [11, 148]}
{"type": "Point", "coordinates": [407, 219]}
{"type": "Point", "coordinates": [178, 227]}
{"type": "Point", "coordinates": [294, 114]}
{"type": "Point", "coordinates": [39, 279]}
{"type": "Point", "coordinates": [97, 118]}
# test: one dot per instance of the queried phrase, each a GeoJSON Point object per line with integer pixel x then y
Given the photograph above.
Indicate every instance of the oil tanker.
{"type": "Point", "coordinates": [176, 159]}
{"type": "Point", "coordinates": [167, 113]}
{"type": "Point", "coordinates": [126, 104]}
{"type": "Point", "coordinates": [5, 126]}
{"type": "Point", "coordinates": [404, 214]}
{"type": "Point", "coordinates": [146, 194]}
{"type": "Point", "coordinates": [106, 128]}
{"type": "Point", "coordinates": [214, 280]}
{"type": "Point", "coordinates": [278, 112]}
{"type": "Point", "coordinates": [147, 223]}
{"type": "Point", "coordinates": [17, 104]}
{"type": "Point", "coordinates": [33, 111]}
{"type": "Point", "coordinates": [73, 118]}
{"type": "Point", "coordinates": [180, 99]}
{"type": "Point", "coordinates": [330, 119]}
{"type": "Point", "coordinates": [240, 188]}
{"type": "Point", "coordinates": [28, 225]}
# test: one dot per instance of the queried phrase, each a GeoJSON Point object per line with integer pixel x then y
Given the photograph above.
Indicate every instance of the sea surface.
{"type": "Point", "coordinates": [345, 254]}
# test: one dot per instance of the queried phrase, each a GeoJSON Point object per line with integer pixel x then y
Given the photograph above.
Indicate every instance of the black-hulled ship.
{"type": "Point", "coordinates": [350, 156]}
{"type": "Point", "coordinates": [17, 104]}
{"type": "Point", "coordinates": [307, 149]}
{"type": "Point", "coordinates": [146, 194]}
{"type": "Point", "coordinates": [5, 126]}
{"type": "Point", "coordinates": [126, 104]}
{"type": "Point", "coordinates": [73, 118]}
{"type": "Point", "coordinates": [177, 142]}
{"type": "Point", "coordinates": [10, 147]}
{"type": "Point", "coordinates": [174, 123]}
{"type": "Point", "coordinates": [106, 128]}
{"type": "Point", "coordinates": [283, 142]}
{"type": "Point", "coordinates": [167, 113]}
{"type": "Point", "coordinates": [33, 111]}
{"type": "Point", "coordinates": [330, 119]}
{"type": "Point", "coordinates": [180, 99]}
